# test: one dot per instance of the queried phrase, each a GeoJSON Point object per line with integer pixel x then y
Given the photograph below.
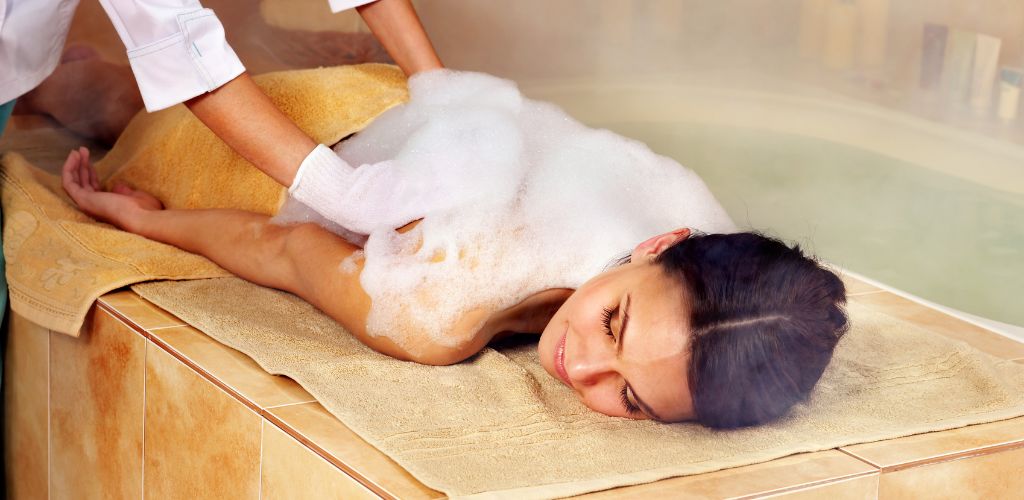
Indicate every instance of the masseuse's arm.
{"type": "Point", "coordinates": [398, 28]}
{"type": "Point", "coordinates": [245, 118]}
{"type": "Point", "coordinates": [325, 183]}
{"type": "Point", "coordinates": [178, 53]}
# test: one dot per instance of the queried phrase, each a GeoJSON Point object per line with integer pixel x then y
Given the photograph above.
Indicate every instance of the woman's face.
{"type": "Point", "coordinates": [620, 340]}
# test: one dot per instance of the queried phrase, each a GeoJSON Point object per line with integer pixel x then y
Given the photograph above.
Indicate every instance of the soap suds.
{"type": "Point", "coordinates": [530, 199]}
{"type": "Point", "coordinates": [349, 265]}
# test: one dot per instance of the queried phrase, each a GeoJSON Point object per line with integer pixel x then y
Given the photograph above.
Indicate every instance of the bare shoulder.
{"type": "Point", "coordinates": [327, 272]}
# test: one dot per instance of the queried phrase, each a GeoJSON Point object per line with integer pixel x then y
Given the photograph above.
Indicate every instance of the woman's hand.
{"type": "Point", "coordinates": [122, 206]}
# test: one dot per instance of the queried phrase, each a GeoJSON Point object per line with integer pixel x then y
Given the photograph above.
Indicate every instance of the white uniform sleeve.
{"type": "Point", "coordinates": [340, 5]}
{"type": "Point", "coordinates": [360, 199]}
{"type": "Point", "coordinates": [176, 48]}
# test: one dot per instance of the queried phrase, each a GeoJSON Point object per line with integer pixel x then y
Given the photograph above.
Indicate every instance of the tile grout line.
{"type": "Point", "coordinates": [263, 412]}
{"type": "Point", "coordinates": [263, 436]}
{"type": "Point", "coordinates": [136, 329]}
{"type": "Point", "coordinates": [317, 456]}
{"type": "Point", "coordinates": [782, 490]}
{"type": "Point", "coordinates": [311, 445]}
{"type": "Point", "coordinates": [228, 387]}
{"type": "Point", "coordinates": [206, 375]}
{"type": "Point", "coordinates": [49, 444]}
{"type": "Point", "coordinates": [952, 457]}
{"type": "Point", "coordinates": [861, 459]}
{"type": "Point", "coordinates": [948, 457]}
{"type": "Point", "coordinates": [291, 404]}
{"type": "Point", "coordinates": [165, 327]}
{"type": "Point", "coordinates": [145, 386]}
{"type": "Point", "coordinates": [123, 319]}
{"type": "Point", "coordinates": [126, 318]}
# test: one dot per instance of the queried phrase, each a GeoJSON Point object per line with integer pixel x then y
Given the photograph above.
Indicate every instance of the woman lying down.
{"type": "Point", "coordinates": [476, 214]}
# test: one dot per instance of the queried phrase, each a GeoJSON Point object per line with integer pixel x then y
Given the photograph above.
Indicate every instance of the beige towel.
{"type": "Point", "coordinates": [59, 260]}
{"type": "Point", "coordinates": [500, 425]}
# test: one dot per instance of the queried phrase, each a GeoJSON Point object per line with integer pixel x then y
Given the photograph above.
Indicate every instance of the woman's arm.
{"type": "Point", "coordinates": [305, 259]}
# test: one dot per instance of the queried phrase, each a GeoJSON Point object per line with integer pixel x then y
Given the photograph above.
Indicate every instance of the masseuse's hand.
{"type": "Point", "coordinates": [119, 206]}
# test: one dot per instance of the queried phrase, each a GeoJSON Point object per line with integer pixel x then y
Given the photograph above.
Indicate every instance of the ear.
{"type": "Point", "coordinates": [654, 246]}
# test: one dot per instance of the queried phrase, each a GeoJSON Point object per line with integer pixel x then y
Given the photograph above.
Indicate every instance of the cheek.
{"type": "Point", "coordinates": [581, 307]}
{"type": "Point", "coordinates": [603, 401]}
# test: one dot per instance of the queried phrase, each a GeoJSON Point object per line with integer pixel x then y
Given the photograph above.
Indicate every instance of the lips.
{"type": "Point", "coordinates": [560, 360]}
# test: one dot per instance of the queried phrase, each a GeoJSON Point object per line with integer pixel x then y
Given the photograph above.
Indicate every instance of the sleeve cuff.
{"type": "Point", "coordinates": [340, 5]}
{"type": "Point", "coordinates": [191, 62]}
{"type": "Point", "coordinates": [322, 175]}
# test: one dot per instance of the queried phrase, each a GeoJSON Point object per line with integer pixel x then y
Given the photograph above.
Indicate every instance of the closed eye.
{"type": "Point", "coordinates": [631, 409]}
{"type": "Point", "coordinates": [606, 319]}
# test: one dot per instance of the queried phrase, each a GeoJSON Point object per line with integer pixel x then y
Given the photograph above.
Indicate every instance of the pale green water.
{"type": "Point", "coordinates": [945, 239]}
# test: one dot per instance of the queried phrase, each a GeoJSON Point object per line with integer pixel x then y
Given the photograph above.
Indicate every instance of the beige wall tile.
{"type": "Point", "coordinates": [864, 487]}
{"type": "Point", "coordinates": [26, 368]}
{"type": "Point", "coordinates": [936, 445]}
{"type": "Point", "coordinates": [96, 399]}
{"type": "Point", "coordinates": [232, 368]}
{"type": "Point", "coordinates": [997, 475]}
{"type": "Point", "coordinates": [139, 311]}
{"type": "Point", "coordinates": [312, 424]}
{"type": "Point", "coordinates": [291, 471]}
{"type": "Point", "coordinates": [756, 479]}
{"type": "Point", "coordinates": [200, 442]}
{"type": "Point", "coordinates": [943, 324]}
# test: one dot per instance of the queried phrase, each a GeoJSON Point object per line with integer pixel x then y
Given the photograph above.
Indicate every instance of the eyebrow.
{"type": "Point", "coordinates": [622, 337]}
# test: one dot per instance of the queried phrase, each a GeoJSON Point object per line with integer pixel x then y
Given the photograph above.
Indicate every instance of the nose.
{"type": "Point", "coordinates": [589, 359]}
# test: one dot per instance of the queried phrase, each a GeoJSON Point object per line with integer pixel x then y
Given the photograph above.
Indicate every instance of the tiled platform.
{"type": "Point", "coordinates": [145, 404]}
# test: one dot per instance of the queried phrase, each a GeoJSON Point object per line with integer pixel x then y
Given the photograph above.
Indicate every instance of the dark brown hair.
{"type": "Point", "coordinates": [764, 320]}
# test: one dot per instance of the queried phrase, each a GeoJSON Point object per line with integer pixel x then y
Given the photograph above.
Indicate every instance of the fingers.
{"type": "Point", "coordinates": [121, 188]}
{"type": "Point", "coordinates": [94, 180]}
{"type": "Point", "coordinates": [70, 179]}
{"type": "Point", "coordinates": [82, 176]}
{"type": "Point", "coordinates": [83, 169]}
{"type": "Point", "coordinates": [69, 173]}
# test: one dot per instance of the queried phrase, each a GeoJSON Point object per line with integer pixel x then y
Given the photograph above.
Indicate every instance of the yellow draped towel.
{"type": "Point", "coordinates": [60, 260]}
